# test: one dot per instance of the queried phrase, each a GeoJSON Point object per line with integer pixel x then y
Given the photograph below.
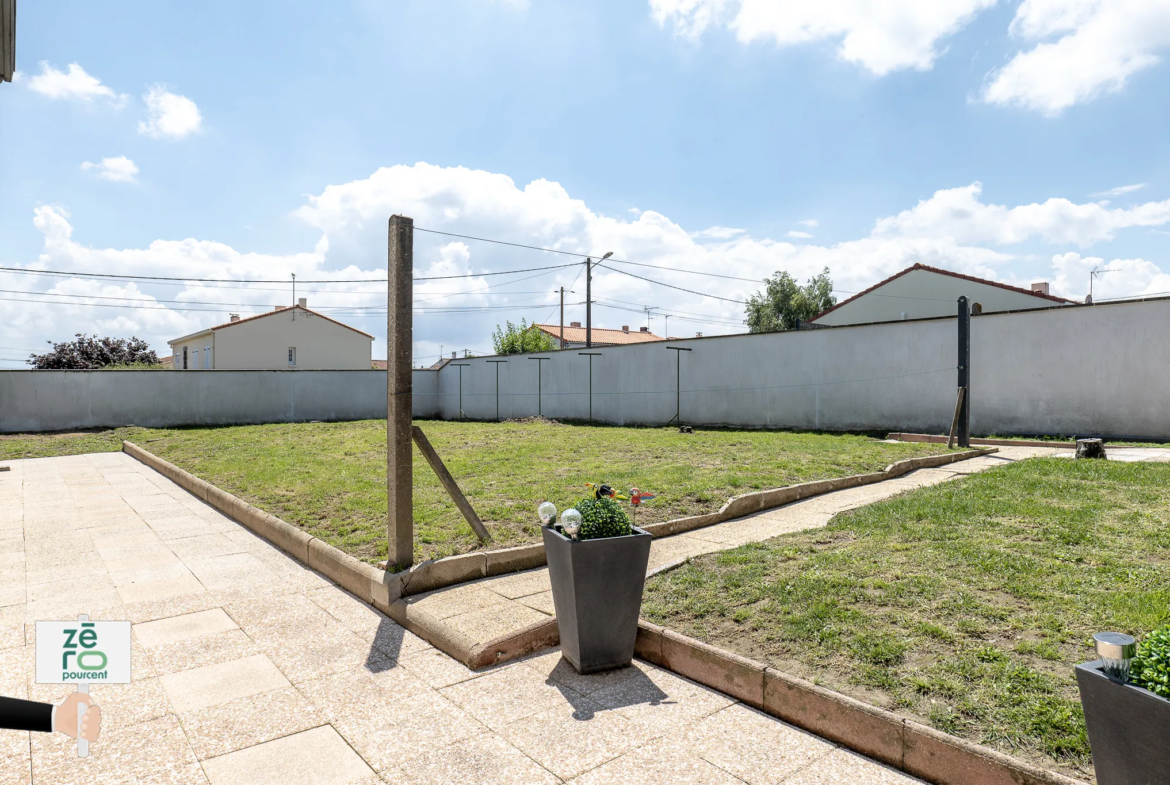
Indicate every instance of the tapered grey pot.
{"type": "Point", "coordinates": [597, 592]}
{"type": "Point", "coordinates": [1129, 729]}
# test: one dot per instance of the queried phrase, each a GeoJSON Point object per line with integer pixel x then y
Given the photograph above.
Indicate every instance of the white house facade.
{"type": "Point", "coordinates": [921, 292]}
{"type": "Point", "coordinates": [287, 338]}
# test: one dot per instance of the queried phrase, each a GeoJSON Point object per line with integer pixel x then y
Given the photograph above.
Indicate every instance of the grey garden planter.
{"type": "Point", "coordinates": [597, 592]}
{"type": "Point", "coordinates": [1129, 729]}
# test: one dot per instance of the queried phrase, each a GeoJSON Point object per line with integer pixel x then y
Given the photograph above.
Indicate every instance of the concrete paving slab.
{"type": "Point", "coordinates": [314, 757]}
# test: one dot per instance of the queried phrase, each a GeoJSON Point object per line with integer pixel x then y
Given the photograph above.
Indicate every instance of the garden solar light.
{"type": "Point", "coordinates": [547, 512]}
{"type": "Point", "coordinates": [571, 522]}
{"type": "Point", "coordinates": [1116, 650]}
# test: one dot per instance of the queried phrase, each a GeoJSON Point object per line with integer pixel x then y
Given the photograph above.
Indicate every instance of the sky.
{"type": "Point", "coordinates": [706, 143]}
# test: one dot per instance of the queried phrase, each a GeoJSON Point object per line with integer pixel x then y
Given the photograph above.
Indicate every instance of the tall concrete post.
{"type": "Point", "coordinates": [399, 340]}
{"type": "Point", "coordinates": [964, 429]}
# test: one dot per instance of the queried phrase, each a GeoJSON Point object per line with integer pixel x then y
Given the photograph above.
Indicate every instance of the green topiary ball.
{"type": "Point", "coordinates": [602, 518]}
{"type": "Point", "coordinates": [1151, 667]}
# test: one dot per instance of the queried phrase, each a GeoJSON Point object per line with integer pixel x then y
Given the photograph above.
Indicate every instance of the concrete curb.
{"type": "Point", "coordinates": [935, 439]}
{"type": "Point", "coordinates": [377, 587]}
{"type": "Point", "coordinates": [879, 734]}
{"type": "Point", "coordinates": [759, 501]}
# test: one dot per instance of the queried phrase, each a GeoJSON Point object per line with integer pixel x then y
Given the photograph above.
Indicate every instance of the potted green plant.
{"type": "Point", "coordinates": [597, 566]}
{"type": "Point", "coordinates": [1126, 698]}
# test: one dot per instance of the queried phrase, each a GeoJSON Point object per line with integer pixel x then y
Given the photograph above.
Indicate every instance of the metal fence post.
{"type": "Point", "coordinates": [964, 430]}
{"type": "Point", "coordinates": [590, 355]}
{"type": "Point", "coordinates": [677, 384]}
{"type": "Point", "coordinates": [461, 366]}
{"type": "Point", "coordinates": [497, 364]}
{"type": "Point", "coordinates": [539, 383]}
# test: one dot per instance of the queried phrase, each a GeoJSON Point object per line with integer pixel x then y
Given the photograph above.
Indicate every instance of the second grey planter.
{"type": "Point", "coordinates": [597, 592]}
{"type": "Point", "coordinates": [1128, 729]}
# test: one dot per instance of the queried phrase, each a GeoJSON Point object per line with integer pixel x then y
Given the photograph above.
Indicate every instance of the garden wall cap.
{"type": "Point", "coordinates": [1115, 645]}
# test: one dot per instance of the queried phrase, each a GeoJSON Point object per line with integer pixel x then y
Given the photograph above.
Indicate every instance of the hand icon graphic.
{"type": "Point", "coordinates": [65, 718]}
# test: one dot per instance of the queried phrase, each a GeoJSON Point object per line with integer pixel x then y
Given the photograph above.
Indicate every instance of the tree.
{"type": "Point", "coordinates": [87, 353]}
{"type": "Point", "coordinates": [511, 339]}
{"type": "Point", "coordinates": [783, 303]}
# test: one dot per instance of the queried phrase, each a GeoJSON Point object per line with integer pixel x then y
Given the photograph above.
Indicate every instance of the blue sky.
{"type": "Point", "coordinates": [741, 136]}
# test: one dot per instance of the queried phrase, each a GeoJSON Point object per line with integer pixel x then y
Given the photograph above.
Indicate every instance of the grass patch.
{"type": "Point", "coordinates": [330, 478]}
{"type": "Point", "coordinates": [965, 604]}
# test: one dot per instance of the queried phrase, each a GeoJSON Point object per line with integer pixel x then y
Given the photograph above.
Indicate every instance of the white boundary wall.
{"type": "Point", "coordinates": [1102, 369]}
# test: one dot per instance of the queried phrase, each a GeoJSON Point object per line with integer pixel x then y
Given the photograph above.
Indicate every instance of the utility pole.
{"type": "Point", "coordinates": [589, 298]}
{"type": "Point", "coordinates": [562, 345]}
{"type": "Point", "coordinates": [665, 325]}
{"type": "Point", "coordinates": [589, 314]}
{"type": "Point", "coordinates": [294, 277]}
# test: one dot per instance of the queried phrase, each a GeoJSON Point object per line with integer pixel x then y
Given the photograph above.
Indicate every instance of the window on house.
{"type": "Point", "coordinates": [195, 358]}
{"type": "Point", "coordinates": [207, 358]}
{"type": "Point", "coordinates": [184, 358]}
{"type": "Point", "coordinates": [292, 356]}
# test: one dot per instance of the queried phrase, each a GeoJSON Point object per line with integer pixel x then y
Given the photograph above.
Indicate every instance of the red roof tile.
{"type": "Point", "coordinates": [600, 335]}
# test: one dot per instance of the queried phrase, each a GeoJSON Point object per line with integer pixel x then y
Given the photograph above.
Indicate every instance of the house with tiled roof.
{"type": "Point", "coordinates": [285, 338]}
{"type": "Point", "coordinates": [574, 335]}
{"type": "Point", "coordinates": [922, 292]}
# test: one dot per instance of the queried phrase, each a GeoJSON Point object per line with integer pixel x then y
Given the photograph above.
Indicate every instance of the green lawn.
{"type": "Point", "coordinates": [965, 605]}
{"type": "Point", "coordinates": [330, 478]}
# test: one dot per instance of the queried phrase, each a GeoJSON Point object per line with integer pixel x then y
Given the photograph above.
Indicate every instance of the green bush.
{"type": "Point", "coordinates": [602, 518]}
{"type": "Point", "coordinates": [1151, 667]}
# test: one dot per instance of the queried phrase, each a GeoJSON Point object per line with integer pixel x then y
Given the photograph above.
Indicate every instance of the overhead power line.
{"type": "Point", "coordinates": [116, 276]}
{"type": "Point", "coordinates": [672, 286]}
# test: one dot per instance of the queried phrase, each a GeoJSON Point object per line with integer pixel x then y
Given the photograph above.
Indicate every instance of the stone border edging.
{"type": "Point", "coordinates": [758, 501]}
{"type": "Point", "coordinates": [874, 732]}
{"type": "Point", "coordinates": [936, 439]}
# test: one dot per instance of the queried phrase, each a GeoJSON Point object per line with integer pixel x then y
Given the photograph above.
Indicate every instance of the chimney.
{"type": "Point", "coordinates": [454, 355]}
{"type": "Point", "coordinates": [235, 317]}
{"type": "Point", "coordinates": [625, 328]}
{"type": "Point", "coordinates": [1040, 288]}
{"type": "Point", "coordinates": [278, 307]}
{"type": "Point", "coordinates": [644, 329]}
{"type": "Point", "coordinates": [698, 335]}
{"type": "Point", "coordinates": [303, 302]}
{"type": "Point", "coordinates": [574, 324]}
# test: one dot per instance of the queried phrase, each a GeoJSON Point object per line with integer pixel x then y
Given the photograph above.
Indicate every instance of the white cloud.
{"type": "Point", "coordinates": [952, 229]}
{"type": "Point", "coordinates": [882, 37]}
{"type": "Point", "coordinates": [799, 235]}
{"type": "Point", "coordinates": [119, 170]}
{"type": "Point", "coordinates": [171, 116]}
{"type": "Point", "coordinates": [958, 213]}
{"type": "Point", "coordinates": [811, 223]}
{"type": "Point", "coordinates": [1121, 190]}
{"type": "Point", "coordinates": [1098, 46]}
{"type": "Point", "coordinates": [73, 84]}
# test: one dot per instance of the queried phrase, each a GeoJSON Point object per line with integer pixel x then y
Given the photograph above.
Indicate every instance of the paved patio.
{"type": "Point", "coordinates": [249, 668]}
